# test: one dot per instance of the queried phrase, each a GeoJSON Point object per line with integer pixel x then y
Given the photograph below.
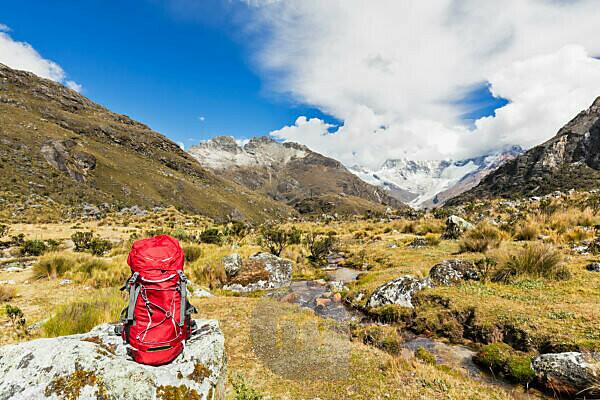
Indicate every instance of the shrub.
{"type": "Point", "coordinates": [319, 246]}
{"type": "Point", "coordinates": [480, 239]}
{"type": "Point", "coordinates": [237, 229]}
{"type": "Point", "coordinates": [33, 248]}
{"type": "Point", "coordinates": [85, 241]}
{"type": "Point", "coordinates": [3, 230]}
{"type": "Point", "coordinates": [192, 252]}
{"type": "Point", "coordinates": [537, 260]}
{"type": "Point", "coordinates": [17, 319]}
{"type": "Point", "coordinates": [82, 240]}
{"type": "Point", "coordinates": [528, 231]}
{"type": "Point", "coordinates": [486, 267]}
{"type": "Point", "coordinates": [80, 317]}
{"type": "Point", "coordinates": [211, 236]}
{"type": "Point", "coordinates": [275, 239]}
{"type": "Point", "coordinates": [7, 293]}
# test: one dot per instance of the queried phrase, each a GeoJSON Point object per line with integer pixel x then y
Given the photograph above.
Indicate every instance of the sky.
{"type": "Point", "coordinates": [358, 81]}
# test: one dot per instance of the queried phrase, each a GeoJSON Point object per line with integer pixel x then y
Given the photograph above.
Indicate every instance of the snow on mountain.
{"type": "Point", "coordinates": [426, 183]}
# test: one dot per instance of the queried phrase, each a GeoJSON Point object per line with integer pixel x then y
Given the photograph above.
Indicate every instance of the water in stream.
{"type": "Point", "coordinates": [458, 357]}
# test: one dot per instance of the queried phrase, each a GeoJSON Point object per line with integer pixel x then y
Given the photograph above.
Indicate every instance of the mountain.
{"type": "Point", "coordinates": [570, 160]}
{"type": "Point", "coordinates": [430, 183]}
{"type": "Point", "coordinates": [58, 144]}
{"type": "Point", "coordinates": [291, 173]}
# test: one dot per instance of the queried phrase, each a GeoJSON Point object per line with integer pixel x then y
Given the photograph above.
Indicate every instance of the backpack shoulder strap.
{"type": "Point", "coordinates": [134, 291]}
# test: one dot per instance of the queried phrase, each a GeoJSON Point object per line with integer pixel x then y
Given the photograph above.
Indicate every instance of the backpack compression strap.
{"type": "Point", "coordinates": [183, 292]}
{"type": "Point", "coordinates": [134, 291]}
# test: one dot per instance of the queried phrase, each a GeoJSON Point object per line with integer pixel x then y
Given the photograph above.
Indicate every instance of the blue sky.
{"type": "Point", "coordinates": [395, 79]}
{"type": "Point", "coordinates": [146, 60]}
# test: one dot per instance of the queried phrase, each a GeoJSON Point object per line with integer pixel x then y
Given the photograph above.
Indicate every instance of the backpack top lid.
{"type": "Point", "coordinates": [156, 253]}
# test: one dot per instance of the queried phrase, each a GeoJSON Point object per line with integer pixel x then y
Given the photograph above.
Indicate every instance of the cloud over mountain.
{"type": "Point", "coordinates": [395, 72]}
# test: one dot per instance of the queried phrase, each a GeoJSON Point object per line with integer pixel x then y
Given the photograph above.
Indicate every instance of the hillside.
{"type": "Point", "coordinates": [292, 173]}
{"type": "Point", "coordinates": [58, 144]}
{"type": "Point", "coordinates": [570, 160]}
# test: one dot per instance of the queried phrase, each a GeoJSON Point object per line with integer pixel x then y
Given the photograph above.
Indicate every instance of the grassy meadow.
{"type": "Point", "coordinates": [535, 293]}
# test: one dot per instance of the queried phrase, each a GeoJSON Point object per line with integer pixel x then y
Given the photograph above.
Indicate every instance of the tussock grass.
{"type": "Point", "coordinates": [83, 268]}
{"type": "Point", "coordinates": [80, 317]}
{"type": "Point", "coordinates": [537, 260]}
{"type": "Point", "coordinates": [481, 239]}
{"type": "Point", "coordinates": [192, 252]}
{"type": "Point", "coordinates": [527, 231]}
{"type": "Point", "coordinates": [7, 293]}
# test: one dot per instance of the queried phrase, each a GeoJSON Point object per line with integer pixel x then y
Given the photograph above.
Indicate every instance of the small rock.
{"type": "Point", "coordinates": [65, 282]}
{"type": "Point", "coordinates": [455, 227]}
{"type": "Point", "coordinates": [327, 295]}
{"type": "Point", "coordinates": [8, 282]}
{"type": "Point", "coordinates": [593, 267]}
{"type": "Point", "coordinates": [232, 264]}
{"type": "Point", "coordinates": [202, 293]}
{"type": "Point", "coordinates": [337, 286]}
{"type": "Point", "coordinates": [321, 282]}
{"type": "Point", "coordinates": [290, 298]}
{"type": "Point", "coordinates": [337, 297]}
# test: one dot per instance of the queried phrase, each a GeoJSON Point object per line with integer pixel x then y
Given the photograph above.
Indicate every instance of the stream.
{"type": "Point", "coordinates": [316, 296]}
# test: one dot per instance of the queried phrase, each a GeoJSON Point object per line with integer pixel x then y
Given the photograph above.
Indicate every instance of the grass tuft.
{"type": "Point", "coordinates": [537, 261]}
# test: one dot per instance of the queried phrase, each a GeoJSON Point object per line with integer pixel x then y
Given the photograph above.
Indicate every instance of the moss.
{"type": "Point", "coordinates": [501, 358]}
{"type": "Point", "coordinates": [381, 336]}
{"type": "Point", "coordinates": [69, 387]}
{"type": "Point", "coordinates": [199, 373]}
{"type": "Point", "coordinates": [390, 313]}
{"type": "Point", "coordinates": [422, 354]}
{"type": "Point", "coordinates": [180, 392]}
{"type": "Point", "coordinates": [110, 349]}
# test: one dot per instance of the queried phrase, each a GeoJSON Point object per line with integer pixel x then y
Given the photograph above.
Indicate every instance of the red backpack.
{"type": "Point", "coordinates": [157, 322]}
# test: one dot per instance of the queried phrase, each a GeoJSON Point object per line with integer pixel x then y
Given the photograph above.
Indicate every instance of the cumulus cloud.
{"type": "Point", "coordinates": [21, 55]}
{"type": "Point", "coordinates": [394, 71]}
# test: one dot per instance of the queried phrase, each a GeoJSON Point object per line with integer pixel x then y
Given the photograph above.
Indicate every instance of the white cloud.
{"type": "Point", "coordinates": [393, 70]}
{"type": "Point", "coordinates": [22, 56]}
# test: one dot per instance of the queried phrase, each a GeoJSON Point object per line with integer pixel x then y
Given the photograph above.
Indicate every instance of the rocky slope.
{"type": "Point", "coordinates": [570, 160]}
{"type": "Point", "coordinates": [429, 183]}
{"type": "Point", "coordinates": [291, 173]}
{"type": "Point", "coordinates": [59, 144]}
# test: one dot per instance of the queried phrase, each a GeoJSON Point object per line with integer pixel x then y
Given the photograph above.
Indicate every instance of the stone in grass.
{"type": "Point", "coordinates": [450, 272]}
{"type": "Point", "coordinates": [400, 291]}
{"type": "Point", "coordinates": [95, 365]}
{"type": "Point", "coordinates": [232, 264]}
{"type": "Point", "coordinates": [593, 267]}
{"type": "Point", "coordinates": [263, 271]}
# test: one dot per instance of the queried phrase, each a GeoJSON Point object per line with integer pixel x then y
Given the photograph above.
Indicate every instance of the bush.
{"type": "Point", "coordinates": [80, 317]}
{"type": "Point", "coordinates": [319, 246]}
{"type": "Point", "coordinates": [192, 252]}
{"type": "Point", "coordinates": [528, 231]}
{"type": "Point", "coordinates": [211, 236]}
{"type": "Point", "coordinates": [237, 229]}
{"type": "Point", "coordinates": [537, 260]}
{"type": "Point", "coordinates": [17, 319]}
{"type": "Point", "coordinates": [33, 248]}
{"type": "Point", "coordinates": [486, 267]}
{"type": "Point", "coordinates": [85, 241]}
{"type": "Point", "coordinates": [275, 239]}
{"type": "Point", "coordinates": [82, 240]}
{"type": "Point", "coordinates": [480, 239]}
{"type": "Point", "coordinates": [3, 230]}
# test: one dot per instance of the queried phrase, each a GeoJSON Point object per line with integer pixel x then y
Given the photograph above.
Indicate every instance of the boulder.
{"type": "Point", "coordinates": [202, 293]}
{"type": "Point", "coordinates": [400, 291]}
{"type": "Point", "coordinates": [232, 264]}
{"type": "Point", "coordinates": [593, 267]}
{"type": "Point", "coordinates": [94, 365]}
{"type": "Point", "coordinates": [455, 227]}
{"type": "Point", "coordinates": [450, 272]}
{"type": "Point", "coordinates": [263, 271]}
{"type": "Point", "coordinates": [569, 373]}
